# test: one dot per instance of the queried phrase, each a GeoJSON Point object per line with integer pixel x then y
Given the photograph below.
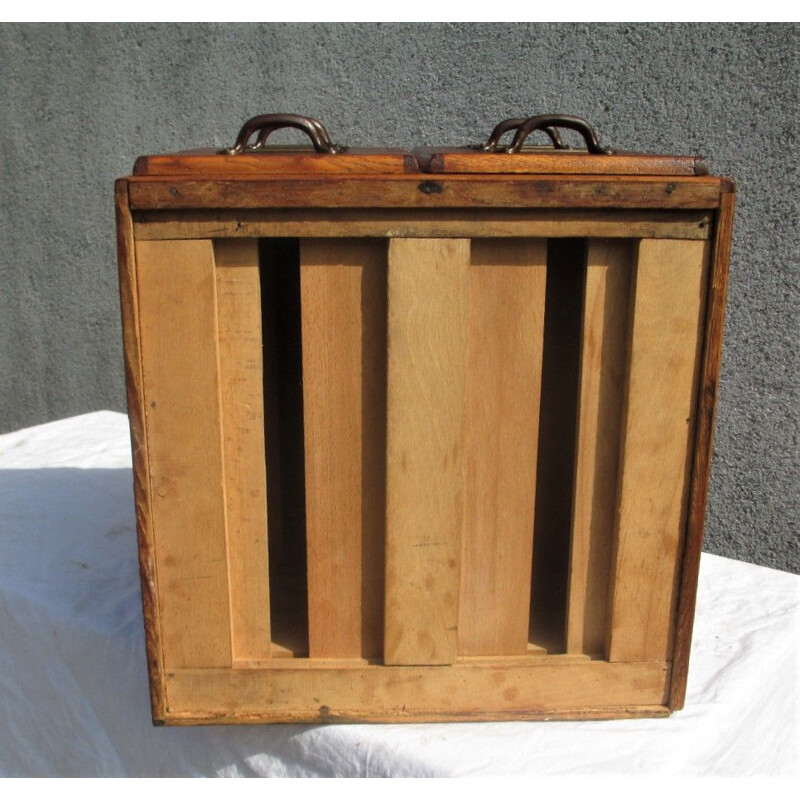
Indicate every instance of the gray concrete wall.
{"type": "Point", "coordinates": [78, 103]}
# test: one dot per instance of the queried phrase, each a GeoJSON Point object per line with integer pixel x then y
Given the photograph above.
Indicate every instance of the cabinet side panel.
{"type": "Point", "coordinates": [427, 338]}
{"type": "Point", "coordinates": [659, 415]}
{"type": "Point", "coordinates": [241, 373]}
{"type": "Point", "coordinates": [343, 296]}
{"type": "Point", "coordinates": [602, 372]}
{"type": "Point", "coordinates": [177, 304]}
{"type": "Point", "coordinates": [707, 401]}
{"type": "Point", "coordinates": [129, 305]}
{"type": "Point", "coordinates": [504, 372]}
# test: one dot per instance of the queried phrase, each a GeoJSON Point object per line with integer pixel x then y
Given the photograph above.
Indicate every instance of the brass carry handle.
{"type": "Point", "coordinates": [545, 121]}
{"type": "Point", "coordinates": [514, 123]}
{"type": "Point", "coordinates": [549, 124]}
{"type": "Point", "coordinates": [266, 124]}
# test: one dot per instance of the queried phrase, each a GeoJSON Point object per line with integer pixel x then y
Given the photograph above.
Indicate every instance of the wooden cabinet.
{"type": "Point", "coordinates": [420, 435]}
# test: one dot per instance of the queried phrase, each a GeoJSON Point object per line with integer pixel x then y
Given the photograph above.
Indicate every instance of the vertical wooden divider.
{"type": "Point", "coordinates": [659, 414]}
{"type": "Point", "coordinates": [504, 371]}
{"type": "Point", "coordinates": [602, 372]}
{"type": "Point", "coordinates": [427, 341]}
{"type": "Point", "coordinates": [177, 303]}
{"type": "Point", "coordinates": [242, 409]}
{"type": "Point", "coordinates": [343, 297]}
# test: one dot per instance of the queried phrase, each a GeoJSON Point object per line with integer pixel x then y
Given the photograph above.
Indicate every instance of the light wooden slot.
{"type": "Point", "coordinates": [242, 409]}
{"type": "Point", "coordinates": [343, 295]}
{"type": "Point", "coordinates": [665, 329]}
{"type": "Point", "coordinates": [417, 693]}
{"type": "Point", "coordinates": [566, 269]}
{"type": "Point", "coordinates": [283, 424]}
{"type": "Point", "coordinates": [177, 303]}
{"type": "Point", "coordinates": [504, 364]}
{"type": "Point", "coordinates": [606, 299]}
{"type": "Point", "coordinates": [427, 340]}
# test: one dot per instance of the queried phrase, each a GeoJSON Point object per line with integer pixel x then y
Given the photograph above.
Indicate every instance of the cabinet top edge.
{"type": "Point", "coordinates": [288, 162]}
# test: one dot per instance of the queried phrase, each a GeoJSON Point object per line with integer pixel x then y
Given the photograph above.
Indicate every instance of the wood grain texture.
{"type": "Point", "coordinates": [606, 298]}
{"type": "Point", "coordinates": [703, 448]}
{"type": "Point", "coordinates": [343, 296]}
{"type": "Point", "coordinates": [424, 223]}
{"type": "Point", "coordinates": [129, 306]}
{"type": "Point", "coordinates": [413, 694]}
{"type": "Point", "coordinates": [427, 338]}
{"type": "Point", "coordinates": [659, 414]}
{"type": "Point", "coordinates": [504, 364]}
{"type": "Point", "coordinates": [241, 375]}
{"type": "Point", "coordinates": [277, 162]}
{"type": "Point", "coordinates": [420, 191]}
{"type": "Point", "coordinates": [562, 162]}
{"type": "Point", "coordinates": [177, 309]}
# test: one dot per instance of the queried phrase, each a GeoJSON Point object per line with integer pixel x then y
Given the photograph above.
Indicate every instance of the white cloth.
{"type": "Point", "coordinates": [73, 684]}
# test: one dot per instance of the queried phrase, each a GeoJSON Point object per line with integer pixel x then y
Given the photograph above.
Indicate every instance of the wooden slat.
{"type": "Point", "coordinates": [427, 337]}
{"type": "Point", "coordinates": [413, 694]}
{"type": "Point", "coordinates": [703, 448]}
{"type": "Point", "coordinates": [602, 373]}
{"type": "Point", "coordinates": [343, 296]}
{"type": "Point", "coordinates": [129, 306]}
{"type": "Point", "coordinates": [425, 223]}
{"type": "Point", "coordinates": [564, 162]}
{"type": "Point", "coordinates": [278, 162]}
{"type": "Point", "coordinates": [504, 364]}
{"type": "Point", "coordinates": [241, 375]}
{"type": "Point", "coordinates": [666, 326]}
{"type": "Point", "coordinates": [419, 191]}
{"type": "Point", "coordinates": [177, 304]}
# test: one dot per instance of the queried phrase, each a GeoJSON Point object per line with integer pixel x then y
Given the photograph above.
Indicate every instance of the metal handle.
{"type": "Point", "coordinates": [267, 124]}
{"type": "Point", "coordinates": [548, 122]}
{"type": "Point", "coordinates": [514, 123]}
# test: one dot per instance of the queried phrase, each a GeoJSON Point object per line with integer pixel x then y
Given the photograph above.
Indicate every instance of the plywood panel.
{"type": "Point", "coordinates": [427, 337]}
{"type": "Point", "coordinates": [668, 301]}
{"type": "Point", "coordinates": [177, 307]}
{"type": "Point", "coordinates": [343, 296]}
{"type": "Point", "coordinates": [602, 372]}
{"type": "Point", "coordinates": [506, 328]}
{"type": "Point", "coordinates": [242, 407]}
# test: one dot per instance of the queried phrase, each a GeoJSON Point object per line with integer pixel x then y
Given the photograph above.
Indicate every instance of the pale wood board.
{"type": "Point", "coordinates": [241, 373]}
{"type": "Point", "coordinates": [504, 364]}
{"type": "Point", "coordinates": [177, 308]}
{"type": "Point", "coordinates": [408, 693]}
{"type": "Point", "coordinates": [666, 331]}
{"type": "Point", "coordinates": [427, 342]}
{"type": "Point", "coordinates": [343, 296]}
{"type": "Point", "coordinates": [425, 223]}
{"type": "Point", "coordinates": [602, 372]}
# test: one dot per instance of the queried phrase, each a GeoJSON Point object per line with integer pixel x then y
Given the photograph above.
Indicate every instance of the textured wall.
{"type": "Point", "coordinates": [79, 102]}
